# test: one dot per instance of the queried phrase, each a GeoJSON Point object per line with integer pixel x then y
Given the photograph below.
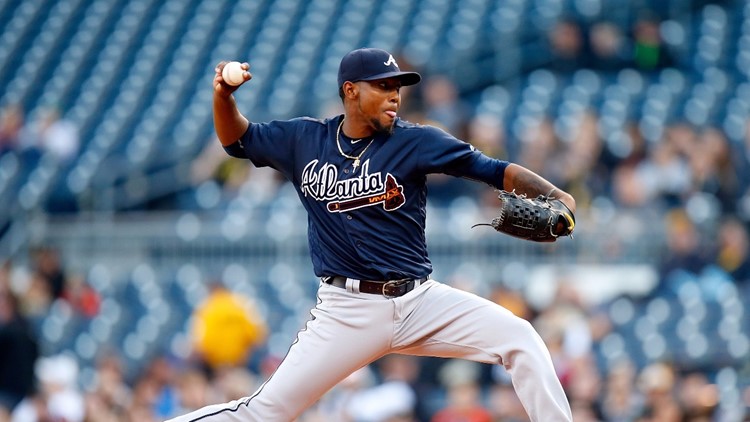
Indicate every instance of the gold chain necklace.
{"type": "Point", "coordinates": [341, 151]}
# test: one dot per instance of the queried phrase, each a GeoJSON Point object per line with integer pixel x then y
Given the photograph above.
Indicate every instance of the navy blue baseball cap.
{"type": "Point", "coordinates": [369, 64]}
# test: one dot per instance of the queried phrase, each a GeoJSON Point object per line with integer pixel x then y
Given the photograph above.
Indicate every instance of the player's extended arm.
{"type": "Point", "coordinates": [525, 181]}
{"type": "Point", "coordinates": [230, 124]}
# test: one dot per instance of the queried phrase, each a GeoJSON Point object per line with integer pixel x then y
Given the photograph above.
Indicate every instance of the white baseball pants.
{"type": "Point", "coordinates": [351, 330]}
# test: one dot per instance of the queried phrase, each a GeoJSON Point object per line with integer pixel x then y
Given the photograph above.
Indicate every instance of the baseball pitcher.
{"type": "Point", "coordinates": [361, 177]}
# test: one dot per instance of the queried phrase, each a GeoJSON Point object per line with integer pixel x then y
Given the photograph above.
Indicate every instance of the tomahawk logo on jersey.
{"type": "Point", "coordinates": [368, 189]}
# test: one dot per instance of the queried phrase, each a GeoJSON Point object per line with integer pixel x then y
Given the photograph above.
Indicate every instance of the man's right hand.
{"type": "Point", "coordinates": [229, 123]}
{"type": "Point", "coordinates": [224, 89]}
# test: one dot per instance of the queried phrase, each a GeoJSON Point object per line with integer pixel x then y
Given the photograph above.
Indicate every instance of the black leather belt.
{"type": "Point", "coordinates": [391, 288]}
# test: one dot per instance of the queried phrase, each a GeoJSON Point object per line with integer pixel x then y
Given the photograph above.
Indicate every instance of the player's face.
{"type": "Point", "coordinates": [379, 101]}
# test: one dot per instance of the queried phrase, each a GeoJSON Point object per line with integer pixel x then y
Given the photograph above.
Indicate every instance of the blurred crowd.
{"type": "Point", "coordinates": [46, 132]}
{"type": "Point", "coordinates": [694, 178]}
{"type": "Point", "coordinates": [226, 357]}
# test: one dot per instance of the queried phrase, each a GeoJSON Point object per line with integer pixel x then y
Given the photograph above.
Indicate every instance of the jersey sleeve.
{"type": "Point", "coordinates": [269, 144]}
{"type": "Point", "coordinates": [441, 152]}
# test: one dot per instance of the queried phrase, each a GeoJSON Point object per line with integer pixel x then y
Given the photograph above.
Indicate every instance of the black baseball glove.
{"type": "Point", "coordinates": [542, 219]}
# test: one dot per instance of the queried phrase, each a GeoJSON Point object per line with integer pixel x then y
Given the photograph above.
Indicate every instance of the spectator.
{"type": "Point", "coordinates": [657, 382]}
{"type": "Point", "coordinates": [622, 155]}
{"type": "Point", "coordinates": [53, 134]}
{"type": "Point", "coordinates": [567, 47]}
{"type": "Point", "coordinates": [627, 188]}
{"type": "Point", "coordinates": [697, 397]}
{"type": "Point", "coordinates": [97, 410]}
{"type": "Point", "coordinates": [11, 125]}
{"type": "Point", "coordinates": [733, 254]}
{"type": "Point", "coordinates": [110, 396]}
{"type": "Point", "coordinates": [464, 404]}
{"type": "Point", "coordinates": [443, 106]}
{"type": "Point", "coordinates": [6, 270]}
{"type": "Point", "coordinates": [141, 414]}
{"type": "Point", "coordinates": [685, 251]}
{"type": "Point", "coordinates": [619, 399]}
{"type": "Point", "coordinates": [564, 327]}
{"type": "Point", "coordinates": [710, 159]}
{"type": "Point", "coordinates": [19, 351]}
{"type": "Point", "coordinates": [584, 148]}
{"type": "Point", "coordinates": [163, 373]}
{"type": "Point", "coordinates": [487, 133]}
{"type": "Point", "coordinates": [504, 405]}
{"type": "Point", "coordinates": [145, 395]}
{"type": "Point", "coordinates": [649, 50]}
{"type": "Point", "coordinates": [609, 51]}
{"type": "Point", "coordinates": [399, 379]}
{"type": "Point", "coordinates": [335, 405]}
{"type": "Point", "coordinates": [58, 398]}
{"type": "Point", "coordinates": [48, 265]}
{"type": "Point", "coordinates": [32, 409]}
{"type": "Point", "coordinates": [36, 298]}
{"type": "Point", "coordinates": [665, 174]}
{"type": "Point", "coordinates": [226, 329]}
{"type": "Point", "coordinates": [583, 388]}
{"type": "Point", "coordinates": [583, 412]}
{"type": "Point", "coordinates": [393, 399]}
{"type": "Point", "coordinates": [464, 401]}
{"type": "Point", "coordinates": [193, 390]}
{"type": "Point", "coordinates": [81, 296]}
{"type": "Point", "coordinates": [540, 149]}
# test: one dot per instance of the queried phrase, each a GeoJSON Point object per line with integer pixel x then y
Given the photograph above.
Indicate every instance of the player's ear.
{"type": "Point", "coordinates": [351, 90]}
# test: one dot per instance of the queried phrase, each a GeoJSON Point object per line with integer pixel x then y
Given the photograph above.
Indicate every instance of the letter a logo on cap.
{"type": "Point", "coordinates": [391, 61]}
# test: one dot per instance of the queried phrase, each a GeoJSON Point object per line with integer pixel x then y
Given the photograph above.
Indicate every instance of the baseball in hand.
{"type": "Point", "coordinates": [232, 73]}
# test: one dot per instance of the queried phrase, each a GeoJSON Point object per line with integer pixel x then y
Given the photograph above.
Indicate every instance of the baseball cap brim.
{"type": "Point", "coordinates": [407, 78]}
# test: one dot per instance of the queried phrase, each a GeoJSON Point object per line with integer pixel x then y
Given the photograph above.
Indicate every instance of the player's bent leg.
{"type": "Point", "coordinates": [477, 329]}
{"type": "Point", "coordinates": [344, 335]}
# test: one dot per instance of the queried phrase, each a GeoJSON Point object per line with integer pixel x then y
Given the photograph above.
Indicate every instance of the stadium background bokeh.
{"type": "Point", "coordinates": [639, 108]}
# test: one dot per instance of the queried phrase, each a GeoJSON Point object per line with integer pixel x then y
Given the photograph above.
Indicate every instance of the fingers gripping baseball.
{"type": "Point", "coordinates": [230, 75]}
